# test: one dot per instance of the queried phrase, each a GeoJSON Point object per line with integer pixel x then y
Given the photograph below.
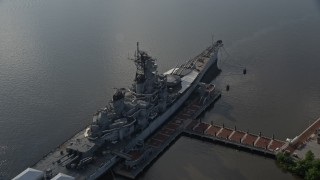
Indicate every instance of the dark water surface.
{"type": "Point", "coordinates": [60, 59]}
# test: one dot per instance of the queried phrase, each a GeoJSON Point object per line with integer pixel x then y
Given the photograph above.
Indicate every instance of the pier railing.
{"type": "Point", "coordinates": [227, 141]}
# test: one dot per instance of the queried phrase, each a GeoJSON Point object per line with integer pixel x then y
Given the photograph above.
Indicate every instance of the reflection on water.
{"type": "Point", "coordinates": [193, 159]}
{"type": "Point", "coordinates": [60, 59]}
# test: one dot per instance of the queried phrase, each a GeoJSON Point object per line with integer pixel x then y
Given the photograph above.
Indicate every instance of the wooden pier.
{"type": "Point", "coordinates": [258, 143]}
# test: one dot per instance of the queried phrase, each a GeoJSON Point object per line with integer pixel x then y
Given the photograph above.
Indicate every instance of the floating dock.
{"type": "Point", "coordinates": [233, 137]}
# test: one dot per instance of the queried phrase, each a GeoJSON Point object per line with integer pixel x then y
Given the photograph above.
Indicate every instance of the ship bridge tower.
{"type": "Point", "coordinates": [146, 72]}
{"type": "Point", "coordinates": [140, 73]}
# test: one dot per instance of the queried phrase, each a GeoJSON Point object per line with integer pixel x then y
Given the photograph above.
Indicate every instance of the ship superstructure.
{"type": "Point", "coordinates": [132, 109]}
{"type": "Point", "coordinates": [129, 118]}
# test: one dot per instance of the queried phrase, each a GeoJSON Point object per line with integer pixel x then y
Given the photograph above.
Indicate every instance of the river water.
{"type": "Point", "coordinates": [59, 62]}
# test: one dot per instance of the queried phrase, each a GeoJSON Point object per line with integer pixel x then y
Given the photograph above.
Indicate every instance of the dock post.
{"type": "Point", "coordinates": [211, 123]}
{"type": "Point", "coordinates": [222, 125]}
{"type": "Point", "coordinates": [235, 128]}
{"type": "Point", "coordinates": [272, 136]}
{"type": "Point", "coordinates": [260, 133]}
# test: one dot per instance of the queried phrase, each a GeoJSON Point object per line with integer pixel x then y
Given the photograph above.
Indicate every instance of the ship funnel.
{"type": "Point", "coordinates": [118, 103]}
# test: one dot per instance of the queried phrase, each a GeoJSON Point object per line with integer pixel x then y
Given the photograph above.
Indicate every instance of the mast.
{"type": "Point", "coordinates": [137, 47]}
{"type": "Point", "coordinates": [140, 64]}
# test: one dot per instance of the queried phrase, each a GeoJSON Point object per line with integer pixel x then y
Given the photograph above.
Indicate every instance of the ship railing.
{"type": "Point", "coordinates": [118, 128]}
{"type": "Point", "coordinates": [142, 94]}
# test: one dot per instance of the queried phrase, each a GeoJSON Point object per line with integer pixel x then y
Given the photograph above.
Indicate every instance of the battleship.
{"type": "Point", "coordinates": [133, 114]}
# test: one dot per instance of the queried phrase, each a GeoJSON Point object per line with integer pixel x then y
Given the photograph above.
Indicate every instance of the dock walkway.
{"type": "Point", "coordinates": [303, 137]}
{"type": "Point", "coordinates": [237, 138]}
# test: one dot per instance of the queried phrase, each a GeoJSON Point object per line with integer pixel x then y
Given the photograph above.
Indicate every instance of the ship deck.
{"type": "Point", "coordinates": [51, 160]}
